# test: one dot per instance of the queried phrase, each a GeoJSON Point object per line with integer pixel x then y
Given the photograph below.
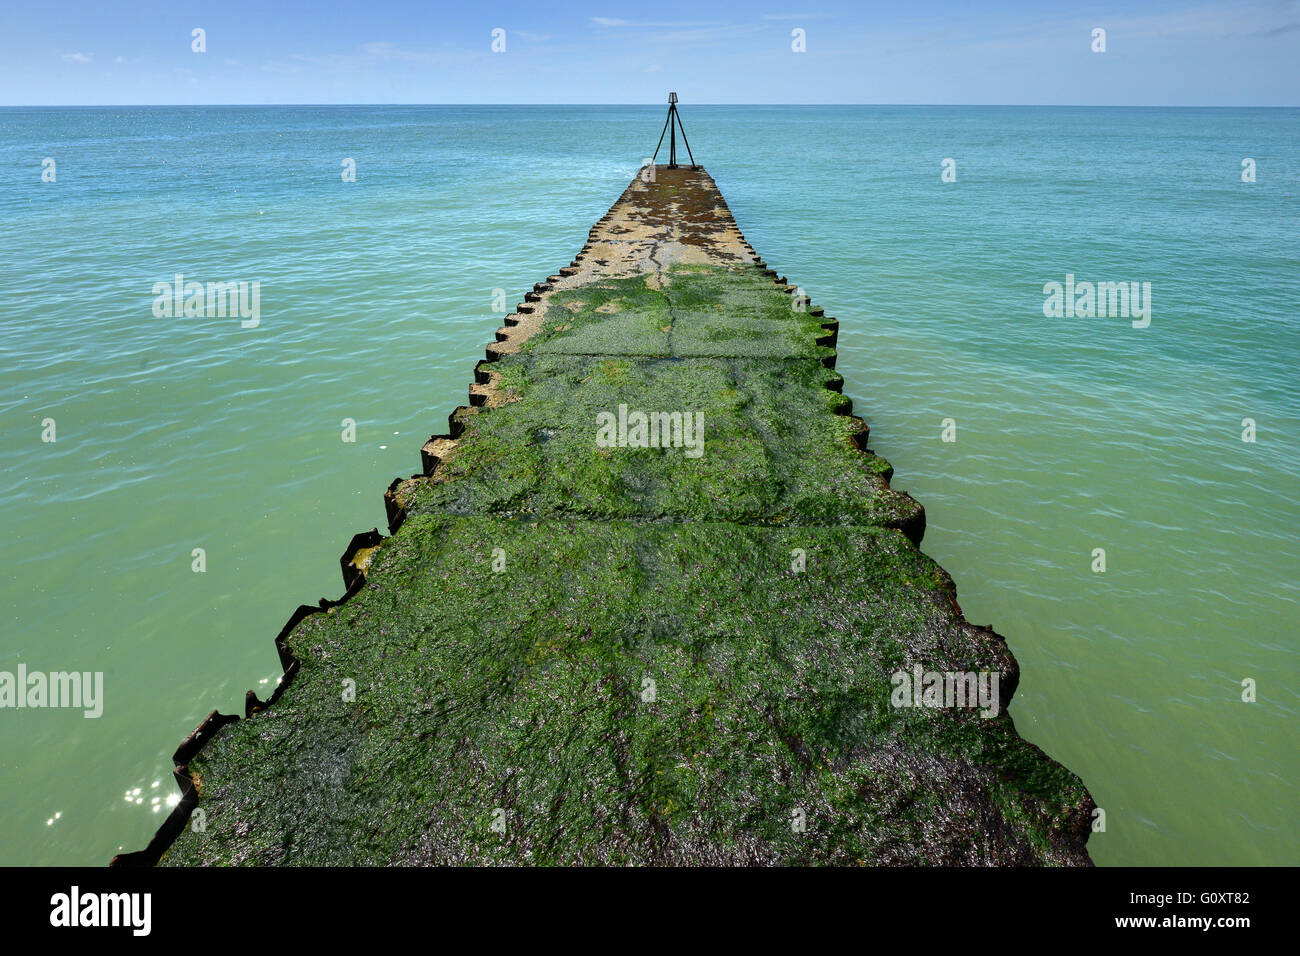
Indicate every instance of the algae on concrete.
{"type": "Point", "coordinates": [568, 653]}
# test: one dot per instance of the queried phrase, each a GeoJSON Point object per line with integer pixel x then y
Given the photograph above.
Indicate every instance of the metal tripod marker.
{"type": "Point", "coordinates": [671, 125]}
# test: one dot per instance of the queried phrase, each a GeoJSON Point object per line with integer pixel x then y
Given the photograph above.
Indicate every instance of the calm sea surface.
{"type": "Point", "coordinates": [376, 298]}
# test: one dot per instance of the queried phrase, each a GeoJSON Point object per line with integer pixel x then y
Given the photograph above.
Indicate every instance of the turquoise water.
{"type": "Point", "coordinates": [376, 299]}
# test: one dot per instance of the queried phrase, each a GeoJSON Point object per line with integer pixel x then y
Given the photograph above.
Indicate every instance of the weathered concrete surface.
{"type": "Point", "coordinates": [569, 653]}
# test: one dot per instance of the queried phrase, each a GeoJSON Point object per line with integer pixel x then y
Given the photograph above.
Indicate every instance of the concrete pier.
{"type": "Point", "coordinates": [651, 599]}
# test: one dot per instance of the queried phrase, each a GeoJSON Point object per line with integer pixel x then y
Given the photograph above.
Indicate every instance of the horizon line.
{"type": "Point", "coordinates": [1115, 106]}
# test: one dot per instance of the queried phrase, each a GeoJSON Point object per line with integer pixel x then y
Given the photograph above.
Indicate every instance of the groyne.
{"type": "Point", "coordinates": [651, 599]}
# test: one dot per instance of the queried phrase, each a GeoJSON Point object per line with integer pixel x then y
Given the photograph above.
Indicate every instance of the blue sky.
{"type": "Point", "coordinates": [291, 51]}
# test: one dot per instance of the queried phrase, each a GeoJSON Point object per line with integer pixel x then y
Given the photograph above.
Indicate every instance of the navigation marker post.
{"type": "Point", "coordinates": [671, 125]}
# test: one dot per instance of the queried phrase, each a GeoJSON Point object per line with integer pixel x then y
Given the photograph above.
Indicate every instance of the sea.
{"type": "Point", "coordinates": [1114, 486]}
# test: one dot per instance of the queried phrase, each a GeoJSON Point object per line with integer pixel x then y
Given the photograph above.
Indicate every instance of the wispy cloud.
{"type": "Point", "coordinates": [386, 50]}
{"type": "Point", "coordinates": [681, 32]}
{"type": "Point", "coordinates": [78, 57]}
{"type": "Point", "coordinates": [370, 54]}
{"type": "Point", "coordinates": [1206, 22]}
{"type": "Point", "coordinates": [615, 22]}
{"type": "Point", "coordinates": [383, 56]}
{"type": "Point", "coordinates": [1278, 31]}
{"type": "Point", "coordinates": [1216, 20]}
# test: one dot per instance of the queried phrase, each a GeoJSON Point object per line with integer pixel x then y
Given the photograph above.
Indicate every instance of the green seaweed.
{"type": "Point", "coordinates": [573, 653]}
{"type": "Point", "coordinates": [524, 690]}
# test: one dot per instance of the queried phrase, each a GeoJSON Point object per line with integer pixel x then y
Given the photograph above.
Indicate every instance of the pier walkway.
{"type": "Point", "coordinates": [651, 600]}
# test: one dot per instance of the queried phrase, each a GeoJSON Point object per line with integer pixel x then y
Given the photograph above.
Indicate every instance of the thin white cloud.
{"type": "Point", "coordinates": [386, 50]}
{"type": "Point", "coordinates": [1211, 20]}
{"type": "Point", "coordinates": [1208, 21]}
{"type": "Point", "coordinates": [1278, 31]}
{"type": "Point", "coordinates": [615, 22]}
{"type": "Point", "coordinates": [78, 57]}
{"type": "Point", "coordinates": [381, 53]}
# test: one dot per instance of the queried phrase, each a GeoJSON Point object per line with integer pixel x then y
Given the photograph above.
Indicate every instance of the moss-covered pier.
{"type": "Point", "coordinates": [582, 645]}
